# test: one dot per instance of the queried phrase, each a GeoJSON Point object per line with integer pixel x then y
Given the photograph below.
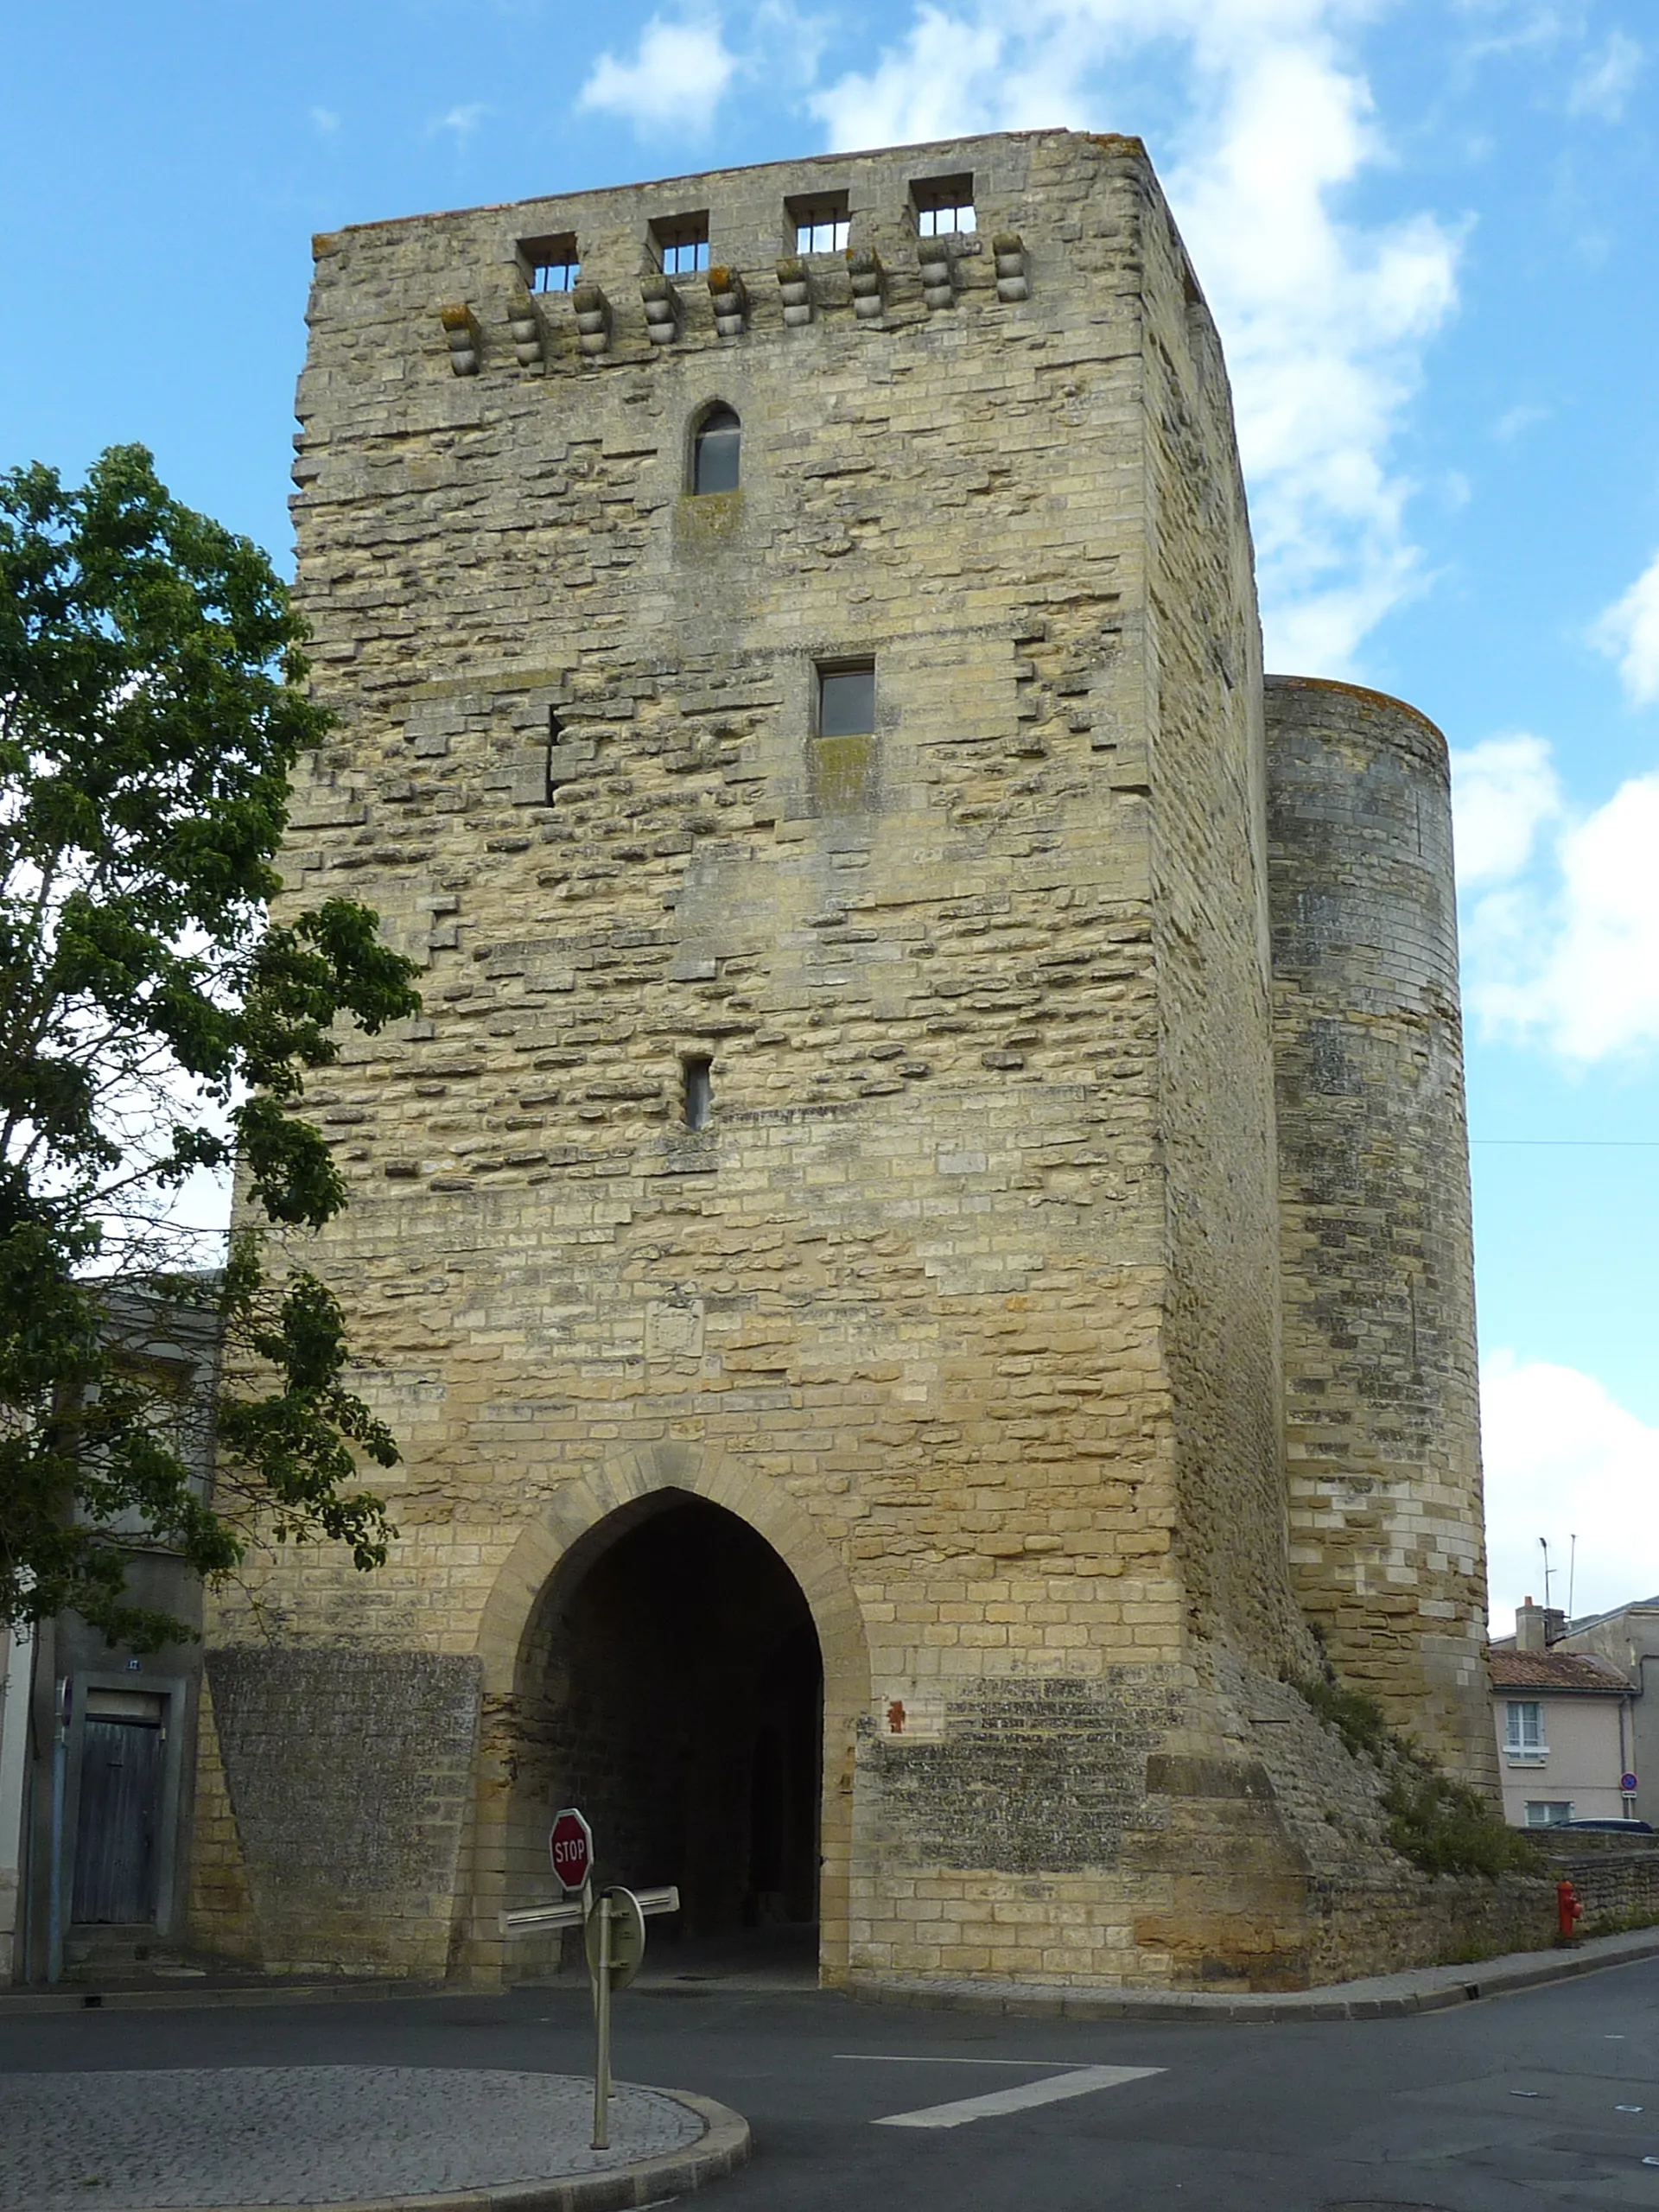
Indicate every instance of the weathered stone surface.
{"type": "Point", "coordinates": [1382, 1424]}
{"type": "Point", "coordinates": [967, 1296]}
{"type": "Point", "coordinates": [349, 1775]}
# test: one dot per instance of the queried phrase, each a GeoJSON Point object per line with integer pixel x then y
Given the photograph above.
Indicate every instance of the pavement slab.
{"type": "Point", "coordinates": [196, 2137]}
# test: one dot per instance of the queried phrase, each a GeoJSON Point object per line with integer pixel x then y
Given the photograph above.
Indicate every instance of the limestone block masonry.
{"type": "Point", "coordinates": [1383, 1416]}
{"type": "Point", "coordinates": [858, 1125]}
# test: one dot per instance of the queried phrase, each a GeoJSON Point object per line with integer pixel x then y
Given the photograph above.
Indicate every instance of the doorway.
{"type": "Point", "coordinates": [676, 1695]}
{"type": "Point", "coordinates": [117, 1824]}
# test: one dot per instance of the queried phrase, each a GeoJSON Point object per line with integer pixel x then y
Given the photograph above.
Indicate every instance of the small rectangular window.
{"type": "Point", "coordinates": [698, 1073]}
{"type": "Point", "coordinates": [821, 222]}
{"type": "Point", "coordinates": [1549, 1811]}
{"type": "Point", "coordinates": [681, 243]}
{"type": "Point", "coordinates": [551, 265]}
{"type": "Point", "coordinates": [847, 699]}
{"type": "Point", "coordinates": [943, 205]}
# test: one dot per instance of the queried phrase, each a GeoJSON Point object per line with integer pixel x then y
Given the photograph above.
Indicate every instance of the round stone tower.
{"type": "Point", "coordinates": [1381, 1389]}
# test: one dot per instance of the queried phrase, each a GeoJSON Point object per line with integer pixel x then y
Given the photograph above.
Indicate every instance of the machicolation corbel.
{"type": "Point", "coordinates": [663, 310]}
{"type": "Point", "coordinates": [593, 312]}
{"type": "Point", "coordinates": [795, 288]}
{"type": "Point", "coordinates": [939, 276]}
{"type": "Point", "coordinates": [1013, 281]}
{"type": "Point", "coordinates": [528, 340]}
{"type": "Point", "coordinates": [869, 282]}
{"type": "Point", "coordinates": [730, 296]}
{"type": "Point", "coordinates": [466, 339]}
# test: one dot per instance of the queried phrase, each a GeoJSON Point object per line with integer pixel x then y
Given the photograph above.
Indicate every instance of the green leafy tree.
{"type": "Point", "coordinates": [153, 1026]}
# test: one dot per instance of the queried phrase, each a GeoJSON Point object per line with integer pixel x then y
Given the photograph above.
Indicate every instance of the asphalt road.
{"type": "Point", "coordinates": [1508, 2105]}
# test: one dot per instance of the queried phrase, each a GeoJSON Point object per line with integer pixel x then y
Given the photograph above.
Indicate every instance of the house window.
{"type": "Point", "coordinates": [716, 451]}
{"type": "Point", "coordinates": [1549, 1811]}
{"type": "Point", "coordinates": [682, 244]}
{"type": "Point", "coordinates": [943, 205]}
{"type": "Point", "coordinates": [698, 1072]}
{"type": "Point", "coordinates": [822, 223]}
{"type": "Point", "coordinates": [553, 263]}
{"type": "Point", "coordinates": [841, 755]}
{"type": "Point", "coordinates": [1524, 1729]}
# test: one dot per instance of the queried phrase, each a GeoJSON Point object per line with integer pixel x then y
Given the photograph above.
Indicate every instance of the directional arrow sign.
{"type": "Point", "coordinates": [570, 1846]}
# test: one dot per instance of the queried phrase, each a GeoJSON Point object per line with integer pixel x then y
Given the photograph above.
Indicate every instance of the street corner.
{"type": "Point", "coordinates": [355, 2139]}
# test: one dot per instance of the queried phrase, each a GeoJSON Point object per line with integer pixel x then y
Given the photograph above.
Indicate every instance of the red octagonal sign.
{"type": "Point", "coordinates": [570, 1846]}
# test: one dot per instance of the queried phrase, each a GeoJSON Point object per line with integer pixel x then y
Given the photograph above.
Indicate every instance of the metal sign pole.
{"type": "Point", "coordinates": [602, 2030]}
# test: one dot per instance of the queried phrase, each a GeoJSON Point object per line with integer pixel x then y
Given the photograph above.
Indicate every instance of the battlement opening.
{"type": "Point", "coordinates": [681, 243]}
{"type": "Point", "coordinates": [821, 222]}
{"type": "Point", "coordinates": [944, 206]}
{"type": "Point", "coordinates": [551, 265]}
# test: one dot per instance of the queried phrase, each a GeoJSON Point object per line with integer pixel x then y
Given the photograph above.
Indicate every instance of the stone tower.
{"type": "Point", "coordinates": [794, 639]}
{"type": "Point", "coordinates": [1382, 1411]}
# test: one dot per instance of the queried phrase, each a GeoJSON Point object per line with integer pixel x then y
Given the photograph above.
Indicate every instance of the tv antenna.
{"type": "Point", "coordinates": [1543, 1545]}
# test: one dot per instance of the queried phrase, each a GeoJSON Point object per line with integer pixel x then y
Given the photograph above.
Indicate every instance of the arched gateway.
{"type": "Point", "coordinates": [689, 1671]}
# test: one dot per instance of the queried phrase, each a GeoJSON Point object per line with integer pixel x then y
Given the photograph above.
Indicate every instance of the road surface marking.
{"type": "Point", "coordinates": [932, 2059]}
{"type": "Point", "coordinates": [1078, 2083]}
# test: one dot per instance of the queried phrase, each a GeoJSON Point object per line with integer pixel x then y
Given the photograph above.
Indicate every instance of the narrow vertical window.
{"type": "Point", "coordinates": [847, 699]}
{"type": "Point", "coordinates": [717, 452]}
{"type": "Point", "coordinates": [841, 761]}
{"type": "Point", "coordinates": [698, 1073]}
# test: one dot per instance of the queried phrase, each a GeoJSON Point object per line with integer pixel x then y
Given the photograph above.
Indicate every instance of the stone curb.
{"type": "Point", "coordinates": [186, 1996]}
{"type": "Point", "coordinates": [724, 2145]}
{"type": "Point", "coordinates": [1383, 1997]}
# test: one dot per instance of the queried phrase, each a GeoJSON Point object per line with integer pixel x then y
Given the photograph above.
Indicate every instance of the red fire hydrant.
{"type": "Point", "coordinates": [1568, 1910]}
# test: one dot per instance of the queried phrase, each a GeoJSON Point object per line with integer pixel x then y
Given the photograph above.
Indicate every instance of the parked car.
{"type": "Point", "coordinates": [1610, 1826]}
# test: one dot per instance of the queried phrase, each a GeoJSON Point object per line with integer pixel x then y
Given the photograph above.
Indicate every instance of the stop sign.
{"type": "Point", "coordinates": [570, 1846]}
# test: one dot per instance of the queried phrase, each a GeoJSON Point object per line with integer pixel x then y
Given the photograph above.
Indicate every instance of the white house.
{"type": "Point", "coordinates": [1565, 1735]}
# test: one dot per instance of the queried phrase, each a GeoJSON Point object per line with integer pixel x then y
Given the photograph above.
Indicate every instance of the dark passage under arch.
{"type": "Point", "coordinates": [681, 1698]}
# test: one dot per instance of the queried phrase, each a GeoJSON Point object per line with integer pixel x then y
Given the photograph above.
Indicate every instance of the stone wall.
{"type": "Point", "coordinates": [349, 1776]}
{"type": "Point", "coordinates": [1618, 1886]}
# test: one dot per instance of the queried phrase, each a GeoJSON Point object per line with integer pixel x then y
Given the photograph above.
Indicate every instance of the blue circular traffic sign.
{"type": "Point", "coordinates": [1627, 1784]}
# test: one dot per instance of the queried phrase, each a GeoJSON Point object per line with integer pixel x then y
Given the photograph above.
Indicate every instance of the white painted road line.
{"type": "Point", "coordinates": [1078, 2084]}
{"type": "Point", "coordinates": [934, 2058]}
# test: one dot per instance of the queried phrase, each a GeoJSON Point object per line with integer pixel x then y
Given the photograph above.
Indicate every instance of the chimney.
{"type": "Point", "coordinates": [1529, 1627]}
{"type": "Point", "coordinates": [1555, 1623]}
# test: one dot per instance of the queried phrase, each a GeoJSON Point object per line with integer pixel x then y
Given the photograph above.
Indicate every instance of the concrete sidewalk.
{"type": "Point", "coordinates": [418, 2138]}
{"type": "Point", "coordinates": [1382, 1997]}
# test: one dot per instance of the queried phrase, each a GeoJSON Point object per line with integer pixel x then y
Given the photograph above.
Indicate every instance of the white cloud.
{"type": "Point", "coordinates": [1564, 1458]}
{"type": "Point", "coordinates": [1503, 792]}
{"type": "Point", "coordinates": [324, 121]}
{"type": "Point", "coordinates": [1522, 417]}
{"type": "Point", "coordinates": [1605, 80]}
{"type": "Point", "coordinates": [1324, 321]}
{"type": "Point", "coordinates": [460, 122]}
{"type": "Point", "coordinates": [1561, 941]}
{"type": "Point", "coordinates": [676, 79]}
{"type": "Point", "coordinates": [943, 79]}
{"type": "Point", "coordinates": [1628, 633]}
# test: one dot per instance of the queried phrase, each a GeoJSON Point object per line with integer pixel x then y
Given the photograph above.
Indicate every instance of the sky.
{"type": "Point", "coordinates": [1427, 229]}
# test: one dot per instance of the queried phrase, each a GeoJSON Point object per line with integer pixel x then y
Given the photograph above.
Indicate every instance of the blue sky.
{"type": "Point", "coordinates": [1428, 234]}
